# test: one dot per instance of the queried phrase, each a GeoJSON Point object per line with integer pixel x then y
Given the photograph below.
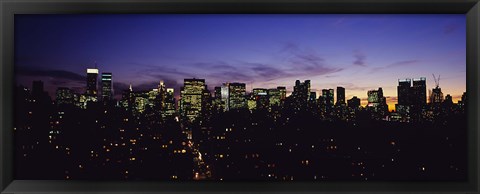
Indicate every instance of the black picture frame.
{"type": "Point", "coordinates": [8, 8]}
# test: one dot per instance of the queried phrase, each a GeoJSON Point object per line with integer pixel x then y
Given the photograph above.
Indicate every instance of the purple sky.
{"type": "Point", "coordinates": [358, 52]}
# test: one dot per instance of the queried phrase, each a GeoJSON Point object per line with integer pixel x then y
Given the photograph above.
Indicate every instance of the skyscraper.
{"type": "Point", "coordinates": [377, 103]}
{"type": "Point", "coordinates": [191, 98]}
{"type": "Point", "coordinates": [92, 75]}
{"type": "Point", "coordinates": [224, 91]}
{"type": "Point", "coordinates": [107, 92]}
{"type": "Point", "coordinates": [237, 96]}
{"type": "Point", "coordinates": [328, 97]}
{"type": "Point", "coordinates": [64, 96]}
{"type": "Point", "coordinates": [411, 98]}
{"type": "Point", "coordinates": [403, 91]}
{"type": "Point", "coordinates": [274, 97]}
{"type": "Point", "coordinates": [340, 96]}
{"type": "Point", "coordinates": [169, 103]}
{"type": "Point", "coordinates": [419, 92]}
{"type": "Point", "coordinates": [283, 92]}
{"type": "Point", "coordinates": [261, 98]}
{"type": "Point", "coordinates": [301, 93]}
{"type": "Point", "coordinates": [354, 103]}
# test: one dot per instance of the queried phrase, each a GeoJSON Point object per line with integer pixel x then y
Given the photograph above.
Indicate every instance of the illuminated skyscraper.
{"type": "Point", "coordinates": [301, 93]}
{"type": "Point", "coordinates": [274, 97]}
{"type": "Point", "coordinates": [64, 96]}
{"type": "Point", "coordinates": [191, 98]}
{"type": "Point", "coordinates": [328, 97]}
{"type": "Point", "coordinates": [92, 75]}
{"type": "Point", "coordinates": [377, 103]}
{"type": "Point", "coordinates": [237, 96]}
{"type": "Point", "coordinates": [340, 96]}
{"type": "Point", "coordinates": [224, 92]}
{"type": "Point", "coordinates": [170, 102]}
{"type": "Point", "coordinates": [107, 92]}
{"type": "Point", "coordinates": [283, 92]}
{"type": "Point", "coordinates": [261, 98]}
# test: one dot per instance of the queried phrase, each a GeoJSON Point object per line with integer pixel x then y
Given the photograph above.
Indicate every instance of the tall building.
{"type": "Point", "coordinates": [403, 91]}
{"type": "Point", "coordinates": [161, 97]}
{"type": "Point", "coordinates": [169, 103]}
{"type": "Point", "coordinates": [340, 96]}
{"type": "Point", "coordinates": [274, 97]}
{"type": "Point", "coordinates": [419, 92]}
{"type": "Point", "coordinates": [301, 94]}
{"type": "Point", "coordinates": [354, 102]}
{"type": "Point", "coordinates": [411, 98]}
{"type": "Point", "coordinates": [225, 96]}
{"type": "Point", "coordinates": [191, 98]}
{"type": "Point", "coordinates": [237, 96]}
{"type": "Point", "coordinates": [64, 96]}
{"type": "Point", "coordinates": [283, 92]}
{"type": "Point", "coordinates": [377, 102]}
{"type": "Point", "coordinates": [261, 98]}
{"type": "Point", "coordinates": [436, 97]}
{"type": "Point", "coordinates": [92, 75]}
{"type": "Point", "coordinates": [107, 91]}
{"type": "Point", "coordinates": [328, 97]}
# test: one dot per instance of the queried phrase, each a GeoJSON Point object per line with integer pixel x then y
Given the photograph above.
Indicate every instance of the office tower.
{"type": "Point", "coordinates": [217, 99]}
{"type": "Point", "coordinates": [328, 97]}
{"type": "Point", "coordinates": [107, 92]}
{"type": "Point", "coordinates": [206, 100]}
{"type": "Point", "coordinates": [403, 91]}
{"type": "Point", "coordinates": [191, 98]}
{"type": "Point", "coordinates": [153, 94]}
{"type": "Point", "coordinates": [170, 102]}
{"type": "Point", "coordinates": [92, 75]}
{"type": "Point", "coordinates": [340, 96]}
{"type": "Point", "coordinates": [162, 95]}
{"type": "Point", "coordinates": [251, 102]}
{"type": "Point", "coordinates": [218, 92]}
{"type": "Point", "coordinates": [237, 96]}
{"type": "Point", "coordinates": [224, 91]}
{"type": "Point", "coordinates": [354, 103]}
{"type": "Point", "coordinates": [377, 102]}
{"type": "Point", "coordinates": [411, 98]}
{"type": "Point", "coordinates": [274, 97]}
{"type": "Point", "coordinates": [261, 98]}
{"type": "Point", "coordinates": [419, 92]}
{"type": "Point", "coordinates": [301, 93]}
{"type": "Point", "coordinates": [64, 96]}
{"type": "Point", "coordinates": [283, 93]}
{"type": "Point", "coordinates": [141, 103]}
{"type": "Point", "coordinates": [404, 96]}
{"type": "Point", "coordinates": [436, 98]}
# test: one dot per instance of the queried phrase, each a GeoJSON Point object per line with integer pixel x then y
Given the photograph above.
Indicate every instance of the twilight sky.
{"type": "Point", "coordinates": [358, 52]}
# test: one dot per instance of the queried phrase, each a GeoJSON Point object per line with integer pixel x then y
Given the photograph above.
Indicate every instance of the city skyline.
{"type": "Point", "coordinates": [357, 52]}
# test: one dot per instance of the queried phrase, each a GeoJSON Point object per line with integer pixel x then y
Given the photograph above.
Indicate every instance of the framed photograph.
{"type": "Point", "coordinates": [230, 97]}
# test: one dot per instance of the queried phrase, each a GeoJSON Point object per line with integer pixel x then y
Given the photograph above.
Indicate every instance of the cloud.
{"type": "Point", "coordinates": [359, 59]}
{"type": "Point", "coordinates": [56, 74]}
{"type": "Point", "coordinates": [306, 63]}
{"type": "Point", "coordinates": [268, 72]}
{"type": "Point", "coordinates": [394, 65]}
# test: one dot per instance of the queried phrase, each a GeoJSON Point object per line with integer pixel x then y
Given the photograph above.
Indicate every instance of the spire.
{"type": "Point", "coordinates": [131, 87]}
